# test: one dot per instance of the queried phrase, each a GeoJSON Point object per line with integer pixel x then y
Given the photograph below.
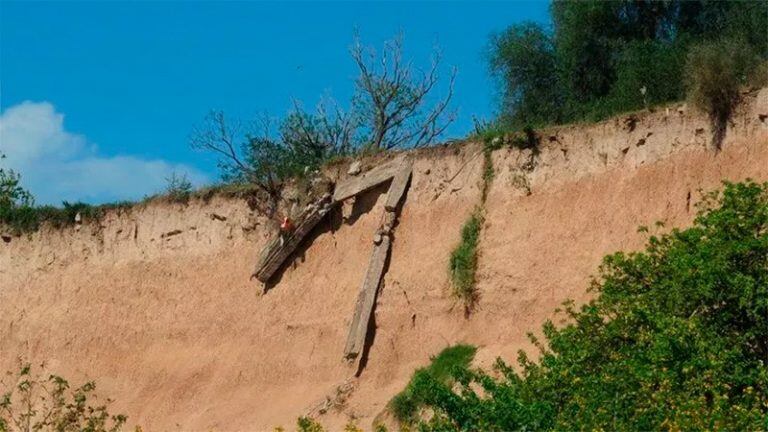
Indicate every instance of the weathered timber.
{"type": "Point", "coordinates": [276, 252]}
{"type": "Point", "coordinates": [368, 179]}
{"type": "Point", "coordinates": [366, 299]}
{"type": "Point", "coordinates": [397, 188]}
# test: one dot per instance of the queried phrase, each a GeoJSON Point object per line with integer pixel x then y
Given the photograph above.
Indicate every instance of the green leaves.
{"type": "Point", "coordinates": [463, 261]}
{"type": "Point", "coordinates": [433, 381]}
{"type": "Point", "coordinates": [676, 339]}
{"type": "Point", "coordinates": [38, 404]}
{"type": "Point", "coordinates": [602, 58]}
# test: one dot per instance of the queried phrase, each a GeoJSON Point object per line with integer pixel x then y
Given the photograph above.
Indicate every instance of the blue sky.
{"type": "Point", "coordinates": [98, 98]}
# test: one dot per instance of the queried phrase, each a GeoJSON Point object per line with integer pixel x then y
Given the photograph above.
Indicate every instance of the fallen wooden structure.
{"type": "Point", "coordinates": [366, 299]}
{"type": "Point", "coordinates": [369, 179]}
{"type": "Point", "coordinates": [369, 289]}
{"type": "Point", "coordinates": [277, 251]}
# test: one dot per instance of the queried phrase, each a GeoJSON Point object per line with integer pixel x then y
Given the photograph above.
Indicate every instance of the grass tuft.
{"type": "Point", "coordinates": [405, 405]}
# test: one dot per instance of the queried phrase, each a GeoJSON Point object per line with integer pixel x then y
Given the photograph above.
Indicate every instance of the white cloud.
{"type": "Point", "coordinates": [57, 165]}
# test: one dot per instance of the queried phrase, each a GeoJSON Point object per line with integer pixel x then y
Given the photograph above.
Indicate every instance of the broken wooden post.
{"type": "Point", "coordinates": [276, 252]}
{"type": "Point", "coordinates": [366, 299]}
{"type": "Point", "coordinates": [397, 188]}
{"type": "Point", "coordinates": [367, 180]}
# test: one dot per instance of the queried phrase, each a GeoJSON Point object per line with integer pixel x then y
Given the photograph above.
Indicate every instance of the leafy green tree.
{"type": "Point", "coordinates": [675, 339]}
{"type": "Point", "coordinates": [523, 58]}
{"type": "Point", "coordinates": [603, 57]}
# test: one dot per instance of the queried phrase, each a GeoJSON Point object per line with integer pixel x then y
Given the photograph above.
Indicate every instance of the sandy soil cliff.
{"type": "Point", "coordinates": [156, 305]}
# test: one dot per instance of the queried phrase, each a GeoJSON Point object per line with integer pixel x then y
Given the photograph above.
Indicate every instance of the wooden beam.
{"type": "Point", "coordinates": [366, 299]}
{"type": "Point", "coordinates": [397, 188]}
{"type": "Point", "coordinates": [275, 253]}
{"type": "Point", "coordinates": [354, 185]}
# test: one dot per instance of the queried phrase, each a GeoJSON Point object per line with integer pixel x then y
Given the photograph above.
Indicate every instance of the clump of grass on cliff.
{"type": "Point", "coordinates": [463, 263]}
{"type": "Point", "coordinates": [405, 405]}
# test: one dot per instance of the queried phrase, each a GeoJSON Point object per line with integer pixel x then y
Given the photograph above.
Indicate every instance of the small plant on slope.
{"type": "Point", "coordinates": [463, 263]}
{"type": "Point", "coordinates": [37, 404]}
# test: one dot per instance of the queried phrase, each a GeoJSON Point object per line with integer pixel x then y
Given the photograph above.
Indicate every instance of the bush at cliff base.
{"type": "Point", "coordinates": [676, 338]}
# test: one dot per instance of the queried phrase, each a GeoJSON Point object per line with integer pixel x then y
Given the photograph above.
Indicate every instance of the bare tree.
{"type": "Point", "coordinates": [329, 131]}
{"type": "Point", "coordinates": [219, 137]}
{"type": "Point", "coordinates": [251, 153]}
{"type": "Point", "coordinates": [391, 98]}
{"type": "Point", "coordinates": [243, 156]}
{"type": "Point", "coordinates": [390, 109]}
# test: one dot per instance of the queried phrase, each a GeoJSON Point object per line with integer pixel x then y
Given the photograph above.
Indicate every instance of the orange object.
{"type": "Point", "coordinates": [287, 225]}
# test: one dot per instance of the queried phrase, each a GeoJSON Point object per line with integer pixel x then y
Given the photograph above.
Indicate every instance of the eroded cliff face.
{"type": "Point", "coordinates": [155, 304]}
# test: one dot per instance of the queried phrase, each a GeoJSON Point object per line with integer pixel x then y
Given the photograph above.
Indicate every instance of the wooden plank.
{"type": "Point", "coordinates": [366, 300]}
{"type": "Point", "coordinates": [274, 254]}
{"type": "Point", "coordinates": [397, 188]}
{"type": "Point", "coordinates": [367, 180]}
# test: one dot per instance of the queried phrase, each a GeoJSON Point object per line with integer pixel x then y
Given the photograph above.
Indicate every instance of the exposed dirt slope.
{"type": "Point", "coordinates": [156, 304]}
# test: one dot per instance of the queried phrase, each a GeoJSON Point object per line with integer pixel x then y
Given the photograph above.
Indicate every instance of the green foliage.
{"type": "Point", "coordinates": [11, 193]}
{"type": "Point", "coordinates": [647, 73]}
{"type": "Point", "coordinates": [29, 218]}
{"type": "Point", "coordinates": [306, 424]}
{"type": "Point", "coordinates": [525, 140]}
{"type": "Point", "coordinates": [302, 143]}
{"type": "Point", "coordinates": [606, 57]}
{"type": "Point", "coordinates": [405, 405]}
{"type": "Point", "coordinates": [715, 71]}
{"type": "Point", "coordinates": [759, 76]}
{"type": "Point", "coordinates": [523, 58]}
{"type": "Point", "coordinates": [463, 261]}
{"type": "Point", "coordinates": [39, 404]}
{"type": "Point", "coordinates": [15, 201]}
{"type": "Point", "coordinates": [488, 171]}
{"type": "Point", "coordinates": [389, 109]}
{"type": "Point", "coordinates": [19, 213]}
{"type": "Point", "coordinates": [676, 339]}
{"type": "Point", "coordinates": [491, 133]}
{"type": "Point", "coordinates": [351, 427]}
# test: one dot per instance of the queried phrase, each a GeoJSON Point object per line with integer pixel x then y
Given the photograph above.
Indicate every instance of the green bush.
{"type": "Point", "coordinates": [675, 339]}
{"type": "Point", "coordinates": [598, 56]}
{"type": "Point", "coordinates": [463, 261]}
{"type": "Point", "coordinates": [405, 405]}
{"type": "Point", "coordinates": [715, 72]}
{"type": "Point", "coordinates": [306, 424]}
